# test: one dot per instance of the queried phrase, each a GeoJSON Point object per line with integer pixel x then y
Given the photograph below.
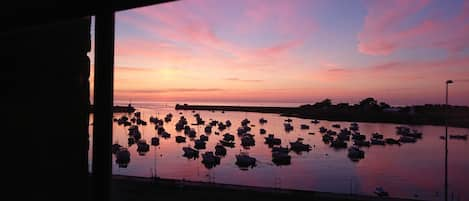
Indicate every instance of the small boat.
{"type": "Point", "coordinates": [315, 121]}
{"type": "Point", "coordinates": [327, 138]}
{"type": "Point", "coordinates": [123, 157]}
{"type": "Point", "coordinates": [391, 141]}
{"type": "Point", "coordinates": [299, 146]}
{"type": "Point", "coordinates": [288, 127]}
{"type": "Point", "coordinates": [228, 137]}
{"type": "Point", "coordinates": [228, 123]}
{"type": "Point", "coordinates": [227, 143]}
{"type": "Point", "coordinates": [243, 160]}
{"type": "Point", "coordinates": [247, 140]}
{"type": "Point", "coordinates": [245, 122]}
{"type": "Point", "coordinates": [336, 125]}
{"type": "Point", "coordinates": [355, 153]}
{"type": "Point", "coordinates": [337, 143]}
{"type": "Point", "coordinates": [155, 141]}
{"type": "Point", "coordinates": [377, 141]}
{"type": "Point", "coordinates": [190, 152]}
{"type": "Point", "coordinates": [220, 150]}
{"type": "Point", "coordinates": [115, 148]}
{"type": "Point", "coordinates": [131, 141]}
{"type": "Point", "coordinates": [358, 137]}
{"type": "Point", "coordinates": [192, 133]}
{"type": "Point", "coordinates": [380, 192]}
{"type": "Point", "coordinates": [208, 129]}
{"type": "Point", "coordinates": [210, 160]}
{"type": "Point", "coordinates": [311, 133]}
{"type": "Point", "coordinates": [458, 137]}
{"type": "Point", "coordinates": [271, 140]}
{"type": "Point", "coordinates": [281, 158]}
{"type": "Point", "coordinates": [262, 131]}
{"type": "Point", "coordinates": [221, 126]}
{"type": "Point", "coordinates": [362, 143]}
{"type": "Point", "coordinates": [142, 147]}
{"type": "Point", "coordinates": [377, 136]}
{"type": "Point", "coordinates": [262, 121]}
{"type": "Point", "coordinates": [322, 129]}
{"type": "Point", "coordinates": [280, 149]}
{"type": "Point", "coordinates": [165, 135]}
{"type": "Point", "coordinates": [354, 126]}
{"type": "Point", "coordinates": [199, 144]}
{"type": "Point", "coordinates": [406, 139]}
{"type": "Point", "coordinates": [180, 139]}
{"type": "Point", "coordinates": [304, 126]}
{"type": "Point", "coordinates": [204, 138]}
{"type": "Point", "coordinates": [160, 130]}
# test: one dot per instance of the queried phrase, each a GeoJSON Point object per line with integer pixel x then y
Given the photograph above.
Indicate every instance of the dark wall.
{"type": "Point", "coordinates": [45, 98]}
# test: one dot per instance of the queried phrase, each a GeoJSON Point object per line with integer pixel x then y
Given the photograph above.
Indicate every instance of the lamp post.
{"type": "Point", "coordinates": [446, 140]}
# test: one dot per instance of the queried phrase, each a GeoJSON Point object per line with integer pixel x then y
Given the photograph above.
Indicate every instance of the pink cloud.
{"type": "Point", "coordinates": [385, 29]}
{"type": "Point", "coordinates": [400, 71]}
{"type": "Point", "coordinates": [197, 38]}
{"type": "Point", "coordinates": [279, 48]}
{"type": "Point", "coordinates": [282, 15]}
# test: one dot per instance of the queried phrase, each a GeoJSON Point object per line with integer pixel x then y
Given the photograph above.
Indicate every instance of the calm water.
{"type": "Point", "coordinates": [410, 170]}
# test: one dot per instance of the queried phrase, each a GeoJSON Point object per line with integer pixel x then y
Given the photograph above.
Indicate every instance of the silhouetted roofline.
{"type": "Point", "coordinates": [18, 14]}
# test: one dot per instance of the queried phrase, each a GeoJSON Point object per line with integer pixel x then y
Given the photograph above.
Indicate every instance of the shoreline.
{"type": "Point", "coordinates": [159, 188]}
{"type": "Point", "coordinates": [407, 116]}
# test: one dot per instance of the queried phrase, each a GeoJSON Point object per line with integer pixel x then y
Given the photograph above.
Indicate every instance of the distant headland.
{"type": "Point", "coordinates": [117, 109]}
{"type": "Point", "coordinates": [367, 110]}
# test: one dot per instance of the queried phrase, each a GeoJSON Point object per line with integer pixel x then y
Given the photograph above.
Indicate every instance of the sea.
{"type": "Point", "coordinates": [411, 170]}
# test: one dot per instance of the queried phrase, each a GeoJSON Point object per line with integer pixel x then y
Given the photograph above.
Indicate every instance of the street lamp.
{"type": "Point", "coordinates": [446, 139]}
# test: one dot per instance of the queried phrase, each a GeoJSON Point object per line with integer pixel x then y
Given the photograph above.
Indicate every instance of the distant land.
{"type": "Point", "coordinates": [367, 110]}
{"type": "Point", "coordinates": [117, 109]}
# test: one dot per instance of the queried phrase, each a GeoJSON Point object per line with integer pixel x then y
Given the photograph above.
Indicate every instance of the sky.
{"type": "Point", "coordinates": [301, 51]}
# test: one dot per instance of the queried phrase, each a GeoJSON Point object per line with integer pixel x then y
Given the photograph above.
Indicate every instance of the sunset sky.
{"type": "Point", "coordinates": [400, 52]}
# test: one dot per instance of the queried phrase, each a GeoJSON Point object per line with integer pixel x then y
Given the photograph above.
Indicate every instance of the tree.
{"type": "Point", "coordinates": [368, 102]}
{"type": "Point", "coordinates": [384, 105]}
{"type": "Point", "coordinates": [325, 103]}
